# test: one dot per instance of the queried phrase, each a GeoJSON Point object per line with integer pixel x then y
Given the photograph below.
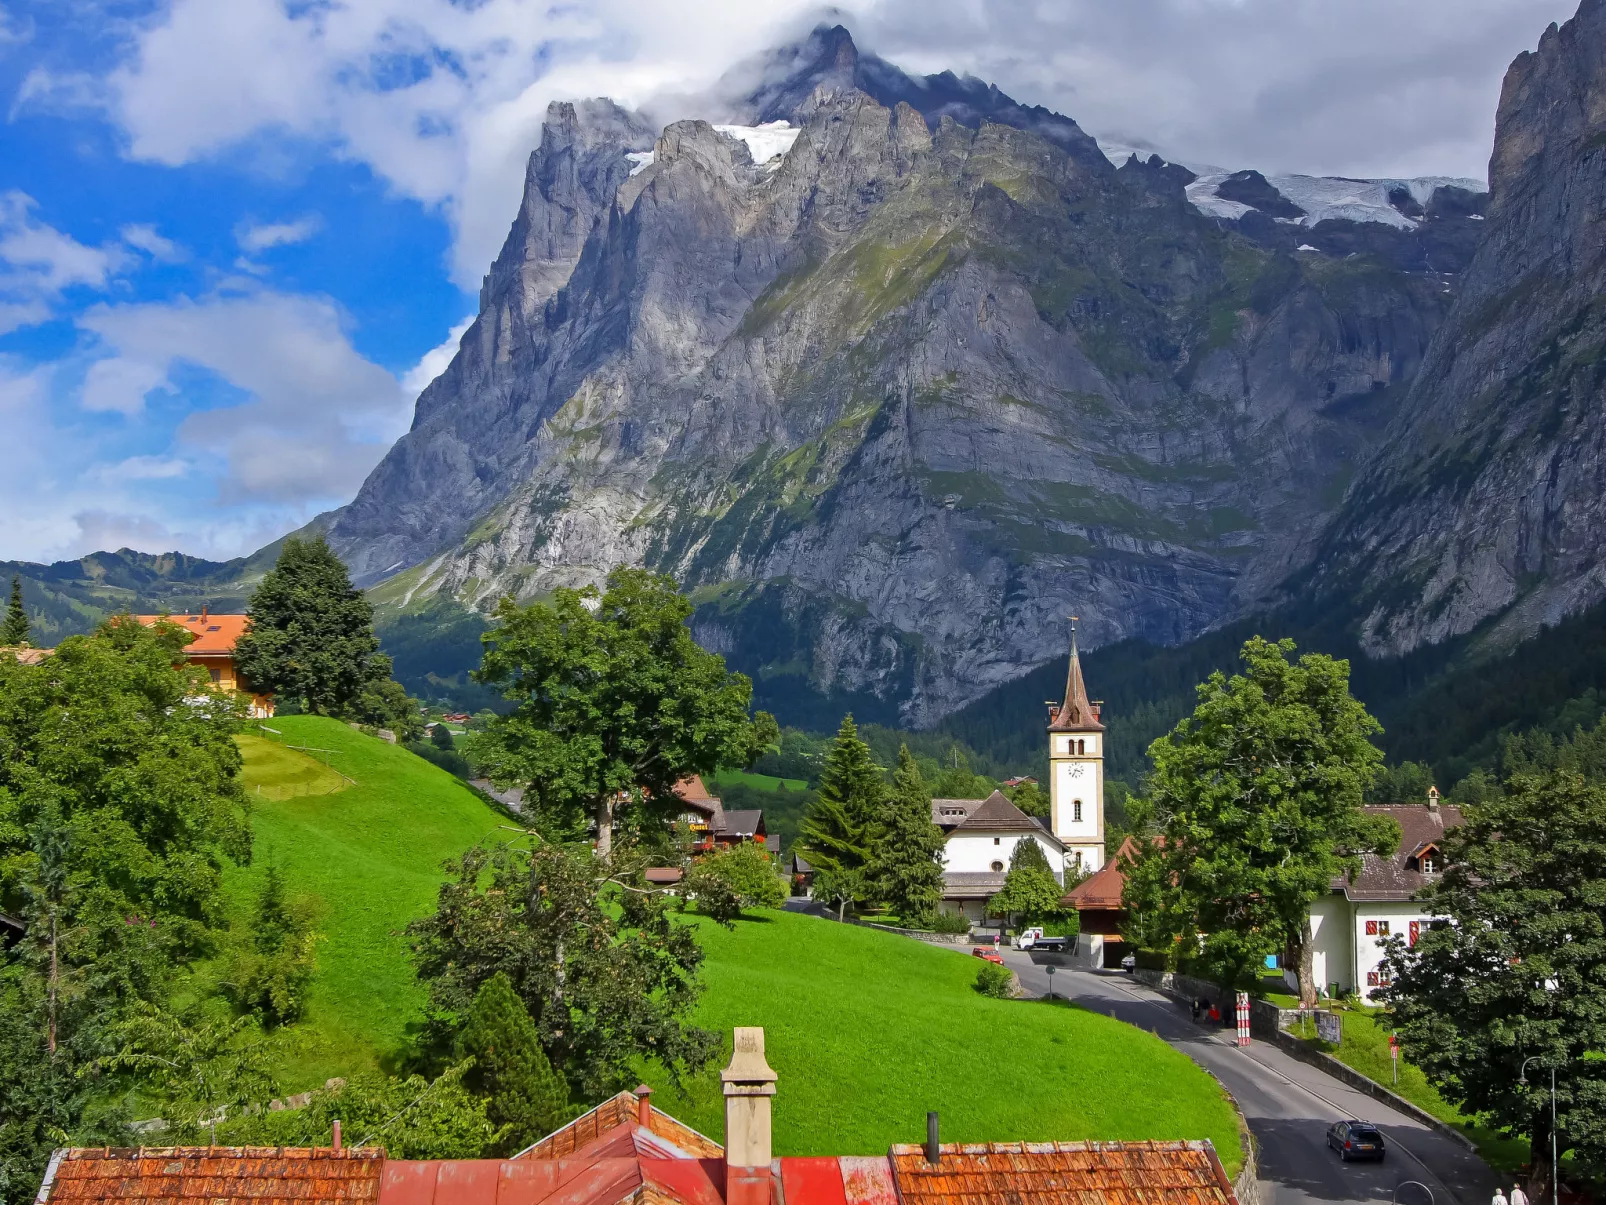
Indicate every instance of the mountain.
{"type": "Point", "coordinates": [1486, 502]}
{"type": "Point", "coordinates": [895, 385]}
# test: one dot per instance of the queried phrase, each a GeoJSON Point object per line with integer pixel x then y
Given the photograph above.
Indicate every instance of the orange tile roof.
{"type": "Point", "coordinates": [621, 1112]}
{"type": "Point", "coordinates": [215, 635]}
{"type": "Point", "coordinates": [26, 656]}
{"type": "Point", "coordinates": [1063, 1173]}
{"type": "Point", "coordinates": [238, 1175]}
{"type": "Point", "coordinates": [1102, 889]}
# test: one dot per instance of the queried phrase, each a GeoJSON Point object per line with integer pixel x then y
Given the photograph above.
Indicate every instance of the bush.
{"type": "Point", "coordinates": [743, 876]}
{"type": "Point", "coordinates": [950, 922]}
{"type": "Point", "coordinates": [449, 760]}
{"type": "Point", "coordinates": [995, 981]}
{"type": "Point", "coordinates": [271, 970]}
{"type": "Point", "coordinates": [1153, 960]}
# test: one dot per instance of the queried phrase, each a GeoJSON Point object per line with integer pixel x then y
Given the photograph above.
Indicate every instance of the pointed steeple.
{"type": "Point", "coordinates": [1076, 713]}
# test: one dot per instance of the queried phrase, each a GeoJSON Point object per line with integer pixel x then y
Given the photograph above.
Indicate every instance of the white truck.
{"type": "Point", "coordinates": [1035, 939]}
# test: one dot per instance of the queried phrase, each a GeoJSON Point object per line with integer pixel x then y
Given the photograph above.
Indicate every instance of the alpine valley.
{"type": "Point", "coordinates": [892, 373]}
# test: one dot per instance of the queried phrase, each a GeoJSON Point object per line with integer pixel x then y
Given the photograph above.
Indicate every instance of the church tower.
{"type": "Point", "coordinates": [1076, 771]}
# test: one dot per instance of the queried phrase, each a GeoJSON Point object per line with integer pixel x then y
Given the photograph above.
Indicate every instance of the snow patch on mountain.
{"type": "Point", "coordinates": [765, 142]}
{"type": "Point", "coordinates": [640, 161]}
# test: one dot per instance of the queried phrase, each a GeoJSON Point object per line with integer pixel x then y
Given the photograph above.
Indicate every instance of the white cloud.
{"type": "Point", "coordinates": [318, 415]}
{"type": "Point", "coordinates": [254, 238]}
{"type": "Point", "coordinates": [434, 361]}
{"type": "Point", "coordinates": [38, 262]}
{"type": "Point", "coordinates": [144, 468]}
{"type": "Point", "coordinates": [144, 237]}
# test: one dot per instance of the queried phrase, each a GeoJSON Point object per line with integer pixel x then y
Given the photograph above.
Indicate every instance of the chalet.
{"type": "Point", "coordinates": [713, 826]}
{"type": "Point", "coordinates": [1361, 912]}
{"type": "Point", "coordinates": [626, 1151]}
{"type": "Point", "coordinates": [213, 650]}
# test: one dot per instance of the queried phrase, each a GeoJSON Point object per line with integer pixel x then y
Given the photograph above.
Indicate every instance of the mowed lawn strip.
{"type": "Point", "coordinates": [867, 1031]}
{"type": "Point", "coordinates": [371, 854]}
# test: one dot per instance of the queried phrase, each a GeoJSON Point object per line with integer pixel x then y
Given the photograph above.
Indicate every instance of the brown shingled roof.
{"type": "Point", "coordinates": [1076, 713]}
{"type": "Point", "coordinates": [997, 814]}
{"type": "Point", "coordinates": [1063, 1173]}
{"type": "Point", "coordinates": [1397, 878]}
{"type": "Point", "coordinates": [238, 1175]}
{"type": "Point", "coordinates": [1102, 890]}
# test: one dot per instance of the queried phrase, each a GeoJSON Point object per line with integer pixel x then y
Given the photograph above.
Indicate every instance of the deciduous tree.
{"type": "Point", "coordinates": [612, 697]}
{"type": "Point", "coordinates": [1031, 892]}
{"type": "Point", "coordinates": [724, 883]}
{"type": "Point", "coordinates": [1258, 797]}
{"type": "Point", "coordinates": [1519, 970]}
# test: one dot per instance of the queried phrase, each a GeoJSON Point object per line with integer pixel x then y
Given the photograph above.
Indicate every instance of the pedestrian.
{"type": "Point", "coordinates": [1518, 1197]}
{"type": "Point", "coordinates": [1499, 1197]}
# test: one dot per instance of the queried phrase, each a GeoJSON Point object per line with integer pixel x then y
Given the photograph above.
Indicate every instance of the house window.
{"type": "Point", "coordinates": [1429, 866]}
{"type": "Point", "coordinates": [1076, 811]}
{"type": "Point", "coordinates": [1371, 978]}
{"type": "Point", "coordinates": [217, 674]}
{"type": "Point", "coordinates": [995, 840]}
{"type": "Point", "coordinates": [1382, 928]}
{"type": "Point", "coordinates": [997, 866]}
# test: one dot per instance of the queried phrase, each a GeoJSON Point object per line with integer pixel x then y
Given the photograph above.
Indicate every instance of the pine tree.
{"type": "Point", "coordinates": [312, 632]}
{"type": "Point", "coordinates": [908, 853]}
{"type": "Point", "coordinates": [839, 827]}
{"type": "Point", "coordinates": [15, 632]}
{"type": "Point", "coordinates": [510, 1067]}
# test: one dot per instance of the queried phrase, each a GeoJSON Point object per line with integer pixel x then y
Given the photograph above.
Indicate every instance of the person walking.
{"type": "Point", "coordinates": [1499, 1197]}
{"type": "Point", "coordinates": [1518, 1197]}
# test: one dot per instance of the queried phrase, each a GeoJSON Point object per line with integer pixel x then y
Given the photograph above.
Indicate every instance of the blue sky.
{"type": "Point", "coordinates": [237, 236]}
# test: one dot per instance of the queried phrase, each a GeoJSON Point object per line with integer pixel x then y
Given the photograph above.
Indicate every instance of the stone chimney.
{"type": "Point", "coordinates": [749, 1083]}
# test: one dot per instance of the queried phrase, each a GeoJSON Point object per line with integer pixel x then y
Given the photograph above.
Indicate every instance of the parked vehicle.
{"type": "Point", "coordinates": [987, 952]}
{"type": "Point", "coordinates": [1129, 963]}
{"type": "Point", "coordinates": [1035, 939]}
{"type": "Point", "coordinates": [1356, 1140]}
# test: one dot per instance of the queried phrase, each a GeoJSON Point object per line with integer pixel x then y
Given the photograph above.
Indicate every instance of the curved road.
{"type": "Point", "coordinates": [1288, 1104]}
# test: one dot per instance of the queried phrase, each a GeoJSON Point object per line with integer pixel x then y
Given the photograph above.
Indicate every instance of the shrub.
{"type": "Point", "coordinates": [743, 876]}
{"type": "Point", "coordinates": [950, 922]}
{"type": "Point", "coordinates": [995, 981]}
{"type": "Point", "coordinates": [271, 970]}
{"type": "Point", "coordinates": [449, 760]}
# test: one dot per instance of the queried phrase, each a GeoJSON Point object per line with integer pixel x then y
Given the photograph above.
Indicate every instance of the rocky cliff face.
{"type": "Point", "coordinates": [894, 402]}
{"type": "Point", "coordinates": [1489, 495]}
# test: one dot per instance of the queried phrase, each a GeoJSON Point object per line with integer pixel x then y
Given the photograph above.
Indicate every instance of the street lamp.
{"type": "Point", "coordinates": [1555, 1168]}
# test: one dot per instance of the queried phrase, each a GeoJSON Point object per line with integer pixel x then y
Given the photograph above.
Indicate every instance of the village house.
{"type": "Point", "coordinates": [628, 1152]}
{"type": "Point", "coordinates": [713, 826]}
{"type": "Point", "coordinates": [213, 650]}
{"type": "Point", "coordinates": [1353, 920]}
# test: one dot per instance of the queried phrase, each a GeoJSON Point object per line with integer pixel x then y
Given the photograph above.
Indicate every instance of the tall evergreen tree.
{"type": "Point", "coordinates": [838, 831]}
{"type": "Point", "coordinates": [312, 632]}
{"type": "Point", "coordinates": [510, 1068]}
{"type": "Point", "coordinates": [15, 632]}
{"type": "Point", "coordinates": [908, 850]}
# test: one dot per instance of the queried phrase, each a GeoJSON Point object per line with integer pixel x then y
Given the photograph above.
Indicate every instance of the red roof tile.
{"type": "Point", "coordinates": [1063, 1173]}
{"type": "Point", "coordinates": [215, 635]}
{"type": "Point", "coordinates": [238, 1175]}
{"type": "Point", "coordinates": [1102, 890]}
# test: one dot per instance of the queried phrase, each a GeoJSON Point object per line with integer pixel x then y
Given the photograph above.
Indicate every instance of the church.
{"type": "Point", "coordinates": [982, 833]}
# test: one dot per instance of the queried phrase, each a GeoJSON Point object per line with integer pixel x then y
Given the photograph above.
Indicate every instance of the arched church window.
{"type": "Point", "coordinates": [997, 866]}
{"type": "Point", "coordinates": [1076, 811]}
{"type": "Point", "coordinates": [1081, 747]}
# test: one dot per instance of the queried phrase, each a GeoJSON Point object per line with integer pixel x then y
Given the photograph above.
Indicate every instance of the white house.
{"type": "Point", "coordinates": [1351, 923]}
{"type": "Point", "coordinates": [982, 834]}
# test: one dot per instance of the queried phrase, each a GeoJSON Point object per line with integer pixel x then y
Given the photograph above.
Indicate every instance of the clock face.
{"type": "Point", "coordinates": [1075, 771]}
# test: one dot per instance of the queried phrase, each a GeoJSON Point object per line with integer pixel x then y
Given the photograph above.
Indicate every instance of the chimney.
{"type": "Point", "coordinates": [337, 1134]}
{"type": "Point", "coordinates": [749, 1083]}
{"type": "Point", "coordinates": [203, 611]}
{"type": "Point", "coordinates": [933, 1144]}
{"type": "Point", "coordinates": [643, 1106]}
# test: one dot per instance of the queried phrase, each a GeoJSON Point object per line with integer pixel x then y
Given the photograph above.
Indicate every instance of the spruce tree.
{"type": "Point", "coordinates": [312, 632]}
{"type": "Point", "coordinates": [15, 632]}
{"type": "Point", "coordinates": [908, 853]}
{"type": "Point", "coordinates": [510, 1067]}
{"type": "Point", "coordinates": [839, 827]}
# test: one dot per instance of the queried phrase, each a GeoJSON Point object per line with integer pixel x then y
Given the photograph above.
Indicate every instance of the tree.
{"type": "Point", "coordinates": [274, 965]}
{"type": "Point", "coordinates": [907, 862]}
{"type": "Point", "coordinates": [841, 886]}
{"type": "Point", "coordinates": [724, 883]}
{"type": "Point", "coordinates": [612, 697]}
{"type": "Point", "coordinates": [525, 1095]}
{"type": "Point", "coordinates": [1030, 890]}
{"type": "Point", "coordinates": [1029, 798]}
{"type": "Point", "coordinates": [838, 831]}
{"type": "Point", "coordinates": [1258, 798]}
{"type": "Point", "coordinates": [204, 1070]}
{"type": "Point", "coordinates": [608, 976]}
{"type": "Point", "coordinates": [311, 636]}
{"type": "Point", "coordinates": [384, 703]}
{"type": "Point", "coordinates": [15, 631]}
{"type": "Point", "coordinates": [1519, 971]}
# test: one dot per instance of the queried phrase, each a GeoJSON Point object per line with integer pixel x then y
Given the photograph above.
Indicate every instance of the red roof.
{"type": "Point", "coordinates": [1102, 890]}
{"type": "Point", "coordinates": [238, 1175]}
{"type": "Point", "coordinates": [1063, 1173]}
{"type": "Point", "coordinates": [1076, 713]}
{"type": "Point", "coordinates": [215, 635]}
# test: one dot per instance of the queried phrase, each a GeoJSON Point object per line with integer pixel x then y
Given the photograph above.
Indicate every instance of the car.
{"type": "Point", "coordinates": [987, 952]}
{"type": "Point", "coordinates": [1356, 1140]}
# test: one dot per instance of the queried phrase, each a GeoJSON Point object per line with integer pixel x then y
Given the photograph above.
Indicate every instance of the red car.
{"type": "Point", "coordinates": [989, 953]}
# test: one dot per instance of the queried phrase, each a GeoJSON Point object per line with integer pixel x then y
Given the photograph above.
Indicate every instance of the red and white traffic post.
{"type": "Point", "coordinates": [1243, 1018]}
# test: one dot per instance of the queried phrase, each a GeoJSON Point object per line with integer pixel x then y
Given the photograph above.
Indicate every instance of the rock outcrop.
{"type": "Point", "coordinates": [1488, 497]}
{"type": "Point", "coordinates": [894, 402]}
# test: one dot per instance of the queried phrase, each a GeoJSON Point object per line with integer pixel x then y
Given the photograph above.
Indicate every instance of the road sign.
{"type": "Point", "coordinates": [1243, 1018]}
{"type": "Point", "coordinates": [1329, 1027]}
{"type": "Point", "coordinates": [1394, 1055]}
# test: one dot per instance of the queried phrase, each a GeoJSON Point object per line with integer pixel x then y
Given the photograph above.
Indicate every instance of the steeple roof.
{"type": "Point", "coordinates": [1076, 713]}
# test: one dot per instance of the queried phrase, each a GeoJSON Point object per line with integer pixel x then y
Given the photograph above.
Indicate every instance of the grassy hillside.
{"type": "Point", "coordinates": [371, 855]}
{"type": "Point", "coordinates": [868, 1031]}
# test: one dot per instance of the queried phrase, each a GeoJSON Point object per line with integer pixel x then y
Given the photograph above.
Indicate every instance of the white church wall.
{"type": "Point", "coordinates": [979, 853]}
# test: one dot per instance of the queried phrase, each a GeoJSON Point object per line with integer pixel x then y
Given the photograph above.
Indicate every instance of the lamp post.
{"type": "Point", "coordinates": [1555, 1168]}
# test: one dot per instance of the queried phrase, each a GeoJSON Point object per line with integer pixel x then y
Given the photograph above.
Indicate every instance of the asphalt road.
{"type": "Point", "coordinates": [1288, 1104]}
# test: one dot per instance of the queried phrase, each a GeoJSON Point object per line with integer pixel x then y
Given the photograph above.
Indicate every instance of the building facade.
{"type": "Point", "coordinates": [213, 650]}
{"type": "Point", "coordinates": [1076, 772]}
{"type": "Point", "coordinates": [982, 836]}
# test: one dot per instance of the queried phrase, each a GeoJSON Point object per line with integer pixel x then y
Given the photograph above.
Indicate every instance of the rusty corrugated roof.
{"type": "Point", "coordinates": [238, 1175]}
{"type": "Point", "coordinates": [1063, 1173]}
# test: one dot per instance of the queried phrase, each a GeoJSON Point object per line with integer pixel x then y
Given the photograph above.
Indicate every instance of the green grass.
{"type": "Point", "coordinates": [1365, 1048]}
{"type": "Point", "coordinates": [274, 772]}
{"type": "Point", "coordinates": [868, 1031]}
{"type": "Point", "coordinates": [371, 855]}
{"type": "Point", "coordinates": [763, 782]}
